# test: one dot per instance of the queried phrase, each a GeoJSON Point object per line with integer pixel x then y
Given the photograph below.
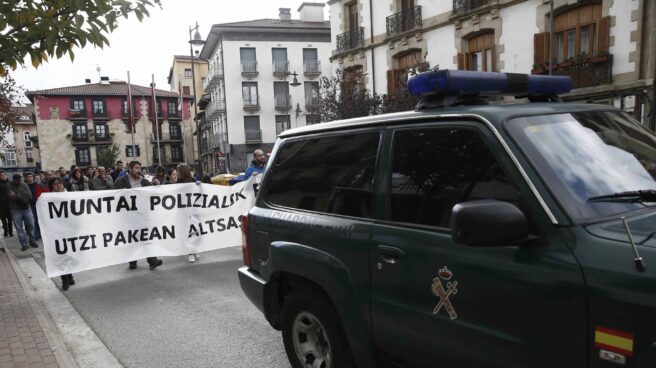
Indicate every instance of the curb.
{"type": "Point", "coordinates": [73, 342]}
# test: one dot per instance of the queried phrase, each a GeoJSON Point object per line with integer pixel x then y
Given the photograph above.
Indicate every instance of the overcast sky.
{"type": "Point", "coordinates": [148, 47]}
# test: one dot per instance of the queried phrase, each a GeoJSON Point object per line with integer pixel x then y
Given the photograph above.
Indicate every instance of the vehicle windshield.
{"type": "Point", "coordinates": [589, 154]}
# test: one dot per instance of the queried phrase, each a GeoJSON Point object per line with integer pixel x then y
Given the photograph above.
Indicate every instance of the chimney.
{"type": "Point", "coordinates": [104, 80]}
{"type": "Point", "coordinates": [311, 12]}
{"type": "Point", "coordinates": [285, 14]}
{"type": "Point", "coordinates": [87, 81]}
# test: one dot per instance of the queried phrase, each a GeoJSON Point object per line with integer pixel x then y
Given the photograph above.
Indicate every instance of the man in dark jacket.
{"type": "Point", "coordinates": [19, 205]}
{"type": "Point", "coordinates": [134, 179]}
{"type": "Point", "coordinates": [35, 189]}
{"type": "Point", "coordinates": [5, 215]}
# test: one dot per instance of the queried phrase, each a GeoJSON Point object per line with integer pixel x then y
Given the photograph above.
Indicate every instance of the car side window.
{"type": "Point", "coordinates": [433, 169]}
{"type": "Point", "coordinates": [331, 174]}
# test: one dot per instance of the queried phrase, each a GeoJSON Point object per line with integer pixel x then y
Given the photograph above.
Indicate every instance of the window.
{"type": "Point", "coordinates": [282, 123]}
{"type": "Point", "coordinates": [281, 95]}
{"type": "Point", "coordinates": [311, 61]}
{"type": "Point", "coordinates": [330, 174]}
{"type": "Point", "coordinates": [173, 107]}
{"type": "Point", "coordinates": [98, 107]}
{"type": "Point", "coordinates": [101, 131]}
{"type": "Point", "coordinates": [252, 131]}
{"type": "Point", "coordinates": [280, 62]}
{"type": "Point", "coordinates": [124, 107]}
{"type": "Point", "coordinates": [77, 104]}
{"type": "Point", "coordinates": [574, 32]}
{"type": "Point", "coordinates": [82, 157]}
{"type": "Point", "coordinates": [175, 132]}
{"type": "Point", "coordinates": [130, 151]}
{"type": "Point", "coordinates": [161, 157]}
{"type": "Point", "coordinates": [248, 60]}
{"type": "Point", "coordinates": [433, 169]}
{"type": "Point", "coordinates": [311, 94]}
{"type": "Point", "coordinates": [27, 139]}
{"type": "Point", "coordinates": [28, 156]}
{"type": "Point", "coordinates": [186, 90]}
{"type": "Point", "coordinates": [480, 53]}
{"type": "Point", "coordinates": [397, 79]}
{"type": "Point", "coordinates": [176, 153]}
{"type": "Point", "coordinates": [80, 132]}
{"type": "Point", "coordinates": [352, 17]}
{"type": "Point", "coordinates": [187, 73]}
{"type": "Point", "coordinates": [249, 92]}
{"type": "Point", "coordinates": [8, 158]}
{"type": "Point", "coordinates": [353, 79]}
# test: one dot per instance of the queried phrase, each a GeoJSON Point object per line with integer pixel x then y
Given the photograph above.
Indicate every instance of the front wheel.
{"type": "Point", "coordinates": [312, 332]}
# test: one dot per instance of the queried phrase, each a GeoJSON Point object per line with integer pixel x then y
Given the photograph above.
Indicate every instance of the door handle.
{"type": "Point", "coordinates": [390, 254]}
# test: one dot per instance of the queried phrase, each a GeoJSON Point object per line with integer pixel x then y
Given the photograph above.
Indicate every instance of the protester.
{"type": "Point", "coordinates": [78, 182]}
{"type": "Point", "coordinates": [102, 181]}
{"type": "Point", "coordinates": [56, 185]}
{"type": "Point", "coordinates": [118, 170]}
{"type": "Point", "coordinates": [258, 164]}
{"type": "Point", "coordinates": [134, 179]}
{"type": "Point", "coordinates": [185, 175]}
{"type": "Point", "coordinates": [206, 179]}
{"type": "Point", "coordinates": [160, 176]}
{"type": "Point", "coordinates": [19, 205]}
{"type": "Point", "coordinates": [5, 213]}
{"type": "Point", "coordinates": [172, 176]}
{"type": "Point", "coordinates": [35, 189]}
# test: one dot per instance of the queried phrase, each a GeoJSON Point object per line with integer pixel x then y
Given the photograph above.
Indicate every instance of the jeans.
{"type": "Point", "coordinates": [37, 229]}
{"type": "Point", "coordinates": [24, 217]}
{"type": "Point", "coordinates": [7, 224]}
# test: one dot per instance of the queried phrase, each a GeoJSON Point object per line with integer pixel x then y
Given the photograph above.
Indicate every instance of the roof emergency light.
{"type": "Point", "coordinates": [463, 82]}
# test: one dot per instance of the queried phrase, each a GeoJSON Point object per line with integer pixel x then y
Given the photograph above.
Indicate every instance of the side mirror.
{"type": "Point", "coordinates": [488, 223]}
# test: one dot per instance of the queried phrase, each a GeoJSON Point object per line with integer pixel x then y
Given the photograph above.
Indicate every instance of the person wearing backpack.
{"type": "Point", "coordinates": [19, 195]}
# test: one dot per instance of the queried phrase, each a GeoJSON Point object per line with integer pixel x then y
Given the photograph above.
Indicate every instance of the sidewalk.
{"type": "Point", "coordinates": [23, 342]}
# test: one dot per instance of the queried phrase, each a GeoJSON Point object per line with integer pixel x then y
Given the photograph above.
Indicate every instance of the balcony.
{"type": "Point", "coordinates": [350, 40]}
{"type": "Point", "coordinates": [175, 115]}
{"type": "Point", "coordinates": [215, 108]}
{"type": "Point", "coordinates": [404, 21]}
{"type": "Point", "coordinates": [103, 137]}
{"type": "Point", "coordinates": [214, 76]}
{"type": "Point", "coordinates": [74, 114]}
{"type": "Point", "coordinates": [100, 114]}
{"type": "Point", "coordinates": [166, 138]}
{"type": "Point", "coordinates": [80, 138]}
{"type": "Point", "coordinates": [462, 7]}
{"type": "Point", "coordinates": [249, 69]}
{"type": "Point", "coordinates": [252, 104]}
{"type": "Point", "coordinates": [281, 68]}
{"type": "Point", "coordinates": [311, 103]}
{"type": "Point", "coordinates": [283, 102]}
{"type": "Point", "coordinates": [584, 71]}
{"type": "Point", "coordinates": [253, 136]}
{"type": "Point", "coordinates": [311, 68]}
{"type": "Point", "coordinates": [91, 139]}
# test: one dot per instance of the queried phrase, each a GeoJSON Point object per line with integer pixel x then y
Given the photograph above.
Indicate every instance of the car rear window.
{"type": "Point", "coordinates": [333, 174]}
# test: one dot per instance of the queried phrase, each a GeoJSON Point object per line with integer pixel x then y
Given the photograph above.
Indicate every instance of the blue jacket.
{"type": "Point", "coordinates": [253, 169]}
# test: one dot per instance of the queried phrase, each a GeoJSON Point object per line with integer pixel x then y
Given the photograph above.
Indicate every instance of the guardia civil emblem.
{"type": "Point", "coordinates": [444, 274]}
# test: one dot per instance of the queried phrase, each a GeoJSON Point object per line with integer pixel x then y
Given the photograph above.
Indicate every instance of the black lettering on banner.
{"type": "Point", "coordinates": [192, 231]}
{"type": "Point", "coordinates": [97, 205]}
{"type": "Point", "coordinates": [122, 204]}
{"type": "Point", "coordinates": [132, 236]}
{"type": "Point", "coordinates": [107, 237]}
{"type": "Point", "coordinates": [240, 194]}
{"type": "Point", "coordinates": [210, 223]}
{"type": "Point", "coordinates": [144, 235]}
{"type": "Point", "coordinates": [188, 199]}
{"type": "Point", "coordinates": [63, 249]}
{"type": "Point", "coordinates": [154, 201]}
{"type": "Point", "coordinates": [108, 200]}
{"type": "Point", "coordinates": [232, 223]}
{"type": "Point", "coordinates": [63, 209]}
{"type": "Point", "coordinates": [85, 239]}
{"type": "Point", "coordinates": [133, 199]}
{"type": "Point", "coordinates": [169, 232]}
{"type": "Point", "coordinates": [171, 199]}
{"type": "Point", "coordinates": [72, 242]}
{"type": "Point", "coordinates": [256, 188]}
{"type": "Point", "coordinates": [120, 238]}
{"type": "Point", "coordinates": [155, 234]}
{"type": "Point", "coordinates": [214, 202]}
{"type": "Point", "coordinates": [180, 205]}
{"type": "Point", "coordinates": [220, 224]}
{"type": "Point", "coordinates": [198, 196]}
{"type": "Point", "coordinates": [80, 210]}
{"type": "Point", "coordinates": [224, 204]}
{"type": "Point", "coordinates": [93, 241]}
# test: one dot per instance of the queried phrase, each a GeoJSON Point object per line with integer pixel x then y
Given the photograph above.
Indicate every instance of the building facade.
{"type": "Point", "coordinates": [263, 76]}
{"type": "Point", "coordinates": [77, 123]}
{"type": "Point", "coordinates": [20, 148]}
{"type": "Point", "coordinates": [180, 81]}
{"type": "Point", "coordinates": [608, 47]}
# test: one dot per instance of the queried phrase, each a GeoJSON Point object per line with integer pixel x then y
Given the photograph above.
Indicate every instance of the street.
{"type": "Point", "coordinates": [179, 315]}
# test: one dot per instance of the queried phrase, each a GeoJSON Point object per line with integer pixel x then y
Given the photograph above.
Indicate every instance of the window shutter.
{"type": "Point", "coordinates": [462, 64]}
{"type": "Point", "coordinates": [603, 34]}
{"type": "Point", "coordinates": [541, 47]}
{"type": "Point", "coordinates": [493, 50]}
{"type": "Point", "coordinates": [390, 82]}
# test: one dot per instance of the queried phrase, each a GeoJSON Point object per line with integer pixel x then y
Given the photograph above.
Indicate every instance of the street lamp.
{"type": "Point", "coordinates": [196, 41]}
{"type": "Point", "coordinates": [295, 82]}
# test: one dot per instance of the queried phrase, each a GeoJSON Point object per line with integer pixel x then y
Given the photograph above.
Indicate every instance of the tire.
{"type": "Point", "coordinates": [312, 332]}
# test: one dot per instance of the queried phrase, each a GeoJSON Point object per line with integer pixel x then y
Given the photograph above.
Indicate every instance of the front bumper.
{"type": "Point", "coordinates": [253, 286]}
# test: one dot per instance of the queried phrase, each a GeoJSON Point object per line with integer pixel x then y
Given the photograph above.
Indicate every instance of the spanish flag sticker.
{"type": "Point", "coordinates": [613, 340]}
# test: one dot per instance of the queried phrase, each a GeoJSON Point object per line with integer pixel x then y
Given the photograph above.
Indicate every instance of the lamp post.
{"type": "Point", "coordinates": [196, 41]}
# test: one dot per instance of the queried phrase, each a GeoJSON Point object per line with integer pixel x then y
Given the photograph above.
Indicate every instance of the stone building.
{"type": "Point", "coordinates": [76, 122]}
{"type": "Point", "coordinates": [608, 47]}
{"type": "Point", "coordinates": [263, 76]}
{"type": "Point", "coordinates": [20, 149]}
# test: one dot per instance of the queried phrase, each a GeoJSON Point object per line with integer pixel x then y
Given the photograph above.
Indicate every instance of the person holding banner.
{"type": "Point", "coordinates": [134, 179]}
{"type": "Point", "coordinates": [56, 184]}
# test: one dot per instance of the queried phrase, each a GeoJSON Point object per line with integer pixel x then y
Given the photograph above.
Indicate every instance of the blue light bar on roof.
{"type": "Point", "coordinates": [460, 82]}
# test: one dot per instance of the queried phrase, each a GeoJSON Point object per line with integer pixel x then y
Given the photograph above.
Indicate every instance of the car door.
{"type": "Point", "coordinates": [435, 302]}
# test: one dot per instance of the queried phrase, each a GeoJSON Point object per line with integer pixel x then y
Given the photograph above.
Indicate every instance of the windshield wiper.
{"type": "Point", "coordinates": [633, 196]}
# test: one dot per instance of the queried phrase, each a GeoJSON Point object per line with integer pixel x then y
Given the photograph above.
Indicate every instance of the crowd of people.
{"type": "Point", "coordinates": [18, 196]}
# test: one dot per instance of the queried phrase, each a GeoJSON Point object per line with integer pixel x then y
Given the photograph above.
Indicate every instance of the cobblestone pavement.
{"type": "Point", "coordinates": [22, 340]}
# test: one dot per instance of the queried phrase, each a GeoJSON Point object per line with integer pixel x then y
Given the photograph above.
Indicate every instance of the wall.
{"type": "Point", "coordinates": [517, 30]}
{"type": "Point", "coordinates": [621, 32]}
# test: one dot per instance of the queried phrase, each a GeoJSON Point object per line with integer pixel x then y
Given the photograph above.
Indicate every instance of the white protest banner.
{"type": "Point", "coordinates": [87, 230]}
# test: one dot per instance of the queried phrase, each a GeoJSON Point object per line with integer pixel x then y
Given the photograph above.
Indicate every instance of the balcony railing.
{"type": "Point", "coordinates": [74, 114]}
{"type": "Point", "coordinates": [461, 7]}
{"type": "Point", "coordinates": [249, 68]}
{"type": "Point", "coordinates": [252, 104]}
{"type": "Point", "coordinates": [311, 102]}
{"type": "Point", "coordinates": [215, 108]}
{"type": "Point", "coordinates": [253, 136]}
{"type": "Point", "coordinates": [103, 137]}
{"type": "Point", "coordinates": [80, 138]}
{"type": "Point", "coordinates": [165, 137]}
{"type": "Point", "coordinates": [283, 102]}
{"type": "Point", "coordinates": [311, 67]}
{"type": "Point", "coordinates": [404, 21]}
{"type": "Point", "coordinates": [584, 71]}
{"type": "Point", "coordinates": [281, 68]}
{"type": "Point", "coordinates": [99, 113]}
{"type": "Point", "coordinates": [350, 40]}
{"type": "Point", "coordinates": [214, 76]}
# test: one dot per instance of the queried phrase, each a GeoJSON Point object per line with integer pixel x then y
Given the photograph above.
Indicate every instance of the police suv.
{"type": "Point", "coordinates": [462, 234]}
